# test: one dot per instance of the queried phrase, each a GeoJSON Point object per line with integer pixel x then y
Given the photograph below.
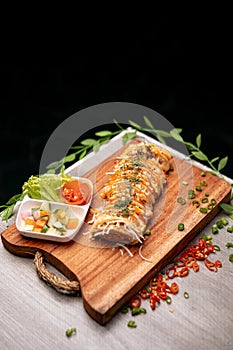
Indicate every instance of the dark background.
{"type": "Point", "coordinates": [183, 73]}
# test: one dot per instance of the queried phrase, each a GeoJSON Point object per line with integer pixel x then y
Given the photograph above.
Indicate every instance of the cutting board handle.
{"type": "Point", "coordinates": [60, 284]}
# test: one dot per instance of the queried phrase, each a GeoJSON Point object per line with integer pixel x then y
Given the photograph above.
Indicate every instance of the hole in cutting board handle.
{"type": "Point", "coordinates": [60, 284]}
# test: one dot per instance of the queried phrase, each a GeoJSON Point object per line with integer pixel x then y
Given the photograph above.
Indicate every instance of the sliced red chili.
{"type": "Point", "coordinates": [159, 277]}
{"type": "Point", "coordinates": [209, 248]}
{"type": "Point", "coordinates": [195, 266]}
{"type": "Point", "coordinates": [153, 300]}
{"type": "Point", "coordinates": [144, 294]}
{"type": "Point", "coordinates": [174, 288]}
{"type": "Point", "coordinates": [210, 265]}
{"type": "Point", "coordinates": [161, 286]}
{"type": "Point", "coordinates": [135, 302]}
{"type": "Point", "coordinates": [183, 272]}
{"type": "Point", "coordinates": [171, 272]}
{"type": "Point", "coordinates": [201, 243]}
{"type": "Point", "coordinates": [218, 263]}
{"type": "Point", "coordinates": [153, 283]}
{"type": "Point", "coordinates": [162, 295]}
{"type": "Point", "coordinates": [200, 255]}
{"type": "Point", "coordinates": [184, 257]}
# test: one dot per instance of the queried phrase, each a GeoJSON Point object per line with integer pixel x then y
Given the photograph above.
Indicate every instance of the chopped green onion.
{"type": "Point", "coordinates": [181, 200]}
{"type": "Point", "coordinates": [180, 227]}
{"type": "Point", "coordinates": [213, 201]}
{"type": "Point", "coordinates": [203, 210]}
{"type": "Point", "coordinates": [143, 311]}
{"type": "Point", "coordinates": [224, 221]}
{"type": "Point", "coordinates": [198, 188]}
{"type": "Point", "coordinates": [219, 224]}
{"type": "Point", "coordinates": [229, 245]}
{"type": "Point", "coordinates": [71, 331]}
{"type": "Point", "coordinates": [124, 309]}
{"type": "Point", "coordinates": [169, 300]}
{"type": "Point", "coordinates": [203, 183]}
{"type": "Point", "coordinates": [230, 229]}
{"type": "Point", "coordinates": [191, 194]}
{"type": "Point", "coordinates": [138, 310]}
{"type": "Point", "coordinates": [214, 229]}
{"type": "Point", "coordinates": [205, 200]}
{"type": "Point", "coordinates": [217, 248]}
{"type": "Point", "coordinates": [132, 324]}
{"type": "Point", "coordinates": [196, 202]}
{"type": "Point", "coordinates": [186, 295]}
{"type": "Point", "coordinates": [202, 173]}
{"type": "Point", "coordinates": [207, 194]}
{"type": "Point", "coordinates": [204, 237]}
{"type": "Point", "coordinates": [231, 257]}
{"type": "Point", "coordinates": [148, 232]}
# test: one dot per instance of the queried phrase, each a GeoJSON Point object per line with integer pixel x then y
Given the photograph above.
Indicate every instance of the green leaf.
{"type": "Point", "coordinates": [226, 207]}
{"type": "Point", "coordinates": [117, 124]}
{"type": "Point", "coordinates": [54, 165]}
{"type": "Point", "coordinates": [51, 171]}
{"type": "Point", "coordinates": [199, 155]}
{"type": "Point", "coordinates": [222, 163]}
{"type": "Point", "coordinates": [62, 169]}
{"type": "Point", "coordinates": [176, 135]}
{"type": "Point", "coordinates": [104, 140]}
{"type": "Point", "coordinates": [82, 155]}
{"type": "Point", "coordinates": [88, 142]}
{"type": "Point", "coordinates": [162, 133]}
{"type": "Point", "coordinates": [198, 140]}
{"type": "Point", "coordinates": [131, 135]}
{"type": "Point", "coordinates": [124, 139]}
{"type": "Point", "coordinates": [96, 147]}
{"type": "Point", "coordinates": [103, 133]}
{"type": "Point", "coordinates": [6, 213]}
{"type": "Point", "coordinates": [135, 125]}
{"type": "Point", "coordinates": [190, 146]}
{"type": "Point", "coordinates": [161, 139]}
{"type": "Point", "coordinates": [15, 199]}
{"type": "Point", "coordinates": [214, 160]}
{"type": "Point", "coordinates": [76, 147]}
{"type": "Point", "coordinates": [69, 158]}
{"type": "Point", "coordinates": [148, 122]}
{"type": "Point", "coordinates": [128, 136]}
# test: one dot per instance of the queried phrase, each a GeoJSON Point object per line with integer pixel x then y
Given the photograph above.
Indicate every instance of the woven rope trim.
{"type": "Point", "coordinates": [50, 278]}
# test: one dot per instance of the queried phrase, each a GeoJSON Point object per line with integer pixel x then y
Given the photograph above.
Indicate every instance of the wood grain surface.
{"type": "Point", "coordinates": [107, 278]}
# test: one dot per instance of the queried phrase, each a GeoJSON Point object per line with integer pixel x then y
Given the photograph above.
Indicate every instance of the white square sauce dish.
{"type": "Point", "coordinates": [50, 220]}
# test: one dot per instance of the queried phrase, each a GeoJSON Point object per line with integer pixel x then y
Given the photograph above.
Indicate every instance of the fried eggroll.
{"type": "Point", "coordinates": [129, 195]}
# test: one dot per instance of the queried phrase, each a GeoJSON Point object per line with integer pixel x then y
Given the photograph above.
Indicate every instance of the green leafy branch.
{"type": "Point", "coordinates": [102, 137]}
{"type": "Point", "coordinates": [194, 149]}
{"type": "Point", "coordinates": [8, 208]}
{"type": "Point", "coordinates": [88, 145]}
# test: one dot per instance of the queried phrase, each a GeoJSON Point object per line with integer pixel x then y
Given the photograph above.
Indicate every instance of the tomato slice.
{"type": "Point", "coordinates": [75, 192]}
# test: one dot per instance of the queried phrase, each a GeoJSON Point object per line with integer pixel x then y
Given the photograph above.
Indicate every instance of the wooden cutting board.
{"type": "Point", "coordinates": [107, 278]}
